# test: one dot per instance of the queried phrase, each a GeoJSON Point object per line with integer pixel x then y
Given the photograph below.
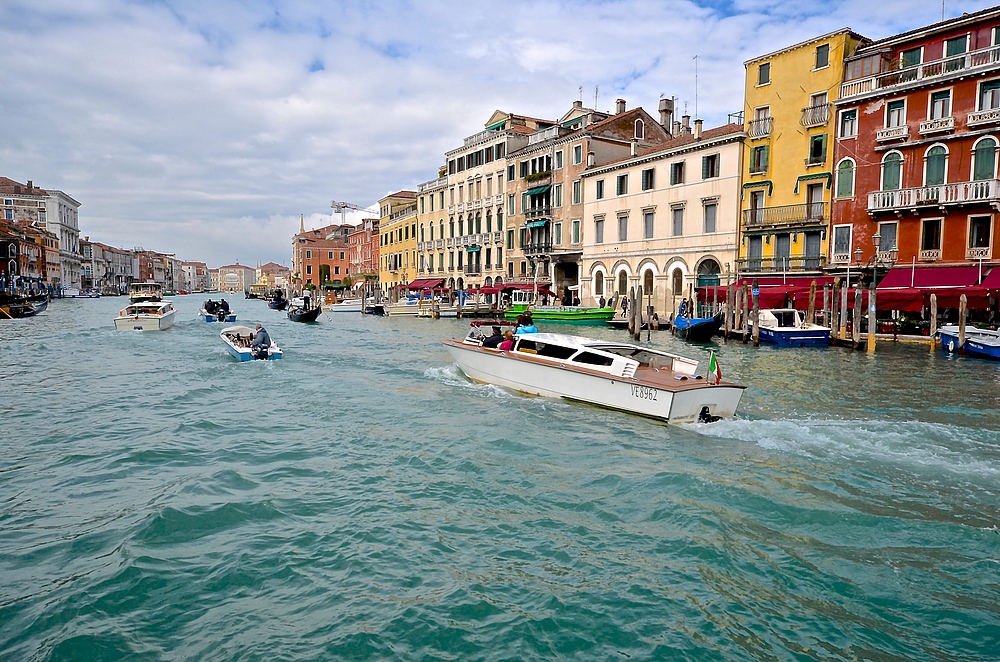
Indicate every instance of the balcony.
{"type": "Point", "coordinates": [986, 191]}
{"type": "Point", "coordinates": [817, 115]}
{"type": "Point", "coordinates": [933, 71]}
{"type": "Point", "coordinates": [893, 133]}
{"type": "Point", "coordinates": [498, 237]}
{"type": "Point", "coordinates": [785, 215]}
{"type": "Point", "coordinates": [473, 270]}
{"type": "Point", "coordinates": [439, 243]}
{"type": "Point", "coordinates": [537, 248]}
{"type": "Point", "coordinates": [988, 116]}
{"type": "Point", "coordinates": [760, 128]}
{"type": "Point", "coordinates": [815, 160]}
{"type": "Point", "coordinates": [537, 212]}
{"type": "Point", "coordinates": [937, 125]}
{"type": "Point", "coordinates": [779, 265]}
{"type": "Point", "coordinates": [984, 253]}
{"type": "Point", "coordinates": [930, 255]}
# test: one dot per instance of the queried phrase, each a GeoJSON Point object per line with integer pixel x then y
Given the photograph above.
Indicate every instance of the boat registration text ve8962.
{"type": "Point", "coordinates": [643, 392]}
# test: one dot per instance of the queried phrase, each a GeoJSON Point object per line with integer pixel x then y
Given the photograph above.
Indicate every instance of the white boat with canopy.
{"type": "Point", "coordinates": [146, 316]}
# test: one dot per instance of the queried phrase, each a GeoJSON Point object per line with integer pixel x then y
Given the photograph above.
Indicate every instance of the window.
{"type": "Point", "coordinates": [640, 129]}
{"type": "Point", "coordinates": [647, 179]}
{"type": "Point", "coordinates": [940, 105]}
{"type": "Point", "coordinates": [817, 149]}
{"type": "Point", "coordinates": [647, 282]}
{"type": "Point", "coordinates": [895, 114]}
{"type": "Point", "coordinates": [557, 195]}
{"type": "Point", "coordinates": [510, 239]}
{"type": "Point", "coordinates": [989, 94]}
{"type": "Point", "coordinates": [711, 212]}
{"type": "Point", "coordinates": [577, 154]}
{"type": "Point", "coordinates": [557, 234]}
{"type": "Point", "coordinates": [979, 231]}
{"type": "Point", "coordinates": [677, 221]}
{"type": "Point", "coordinates": [910, 58]}
{"type": "Point", "coordinates": [510, 172]}
{"type": "Point", "coordinates": [577, 192]}
{"type": "Point", "coordinates": [845, 179]}
{"type": "Point", "coordinates": [935, 165]}
{"type": "Point", "coordinates": [676, 173]}
{"type": "Point", "coordinates": [559, 160]}
{"type": "Point", "coordinates": [758, 159]}
{"type": "Point", "coordinates": [623, 282]}
{"type": "Point", "coordinates": [599, 283]}
{"type": "Point", "coordinates": [599, 189]}
{"type": "Point", "coordinates": [892, 171]}
{"type": "Point", "coordinates": [647, 225]}
{"type": "Point", "coordinates": [849, 123]}
{"type": "Point", "coordinates": [710, 166]}
{"type": "Point", "coordinates": [930, 234]}
{"type": "Point", "coordinates": [984, 155]}
{"type": "Point", "coordinates": [888, 233]}
{"type": "Point", "coordinates": [309, 255]}
{"type": "Point", "coordinates": [336, 271]}
{"type": "Point", "coordinates": [576, 231]}
{"type": "Point", "coordinates": [510, 205]}
{"type": "Point", "coordinates": [955, 49]}
{"type": "Point", "coordinates": [598, 230]}
{"type": "Point", "coordinates": [309, 269]}
{"type": "Point", "coordinates": [764, 74]}
{"type": "Point", "coordinates": [822, 56]}
{"type": "Point", "coordinates": [623, 228]}
{"type": "Point", "coordinates": [621, 185]}
{"type": "Point", "coordinates": [329, 255]}
{"type": "Point", "coordinates": [842, 240]}
{"type": "Point", "coordinates": [677, 282]}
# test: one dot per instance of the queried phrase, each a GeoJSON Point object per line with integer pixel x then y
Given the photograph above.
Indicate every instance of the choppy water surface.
{"type": "Point", "coordinates": [360, 499]}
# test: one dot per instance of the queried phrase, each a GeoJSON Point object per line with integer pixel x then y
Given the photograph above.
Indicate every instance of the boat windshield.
{"type": "Point", "coordinates": [786, 317]}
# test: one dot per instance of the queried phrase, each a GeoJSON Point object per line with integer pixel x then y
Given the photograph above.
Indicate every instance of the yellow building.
{"type": "Point", "coordinates": [787, 164]}
{"type": "Point", "coordinates": [398, 240]}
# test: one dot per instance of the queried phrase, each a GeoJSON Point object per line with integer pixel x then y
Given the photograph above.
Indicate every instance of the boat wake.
{"type": "Point", "coordinates": [450, 375]}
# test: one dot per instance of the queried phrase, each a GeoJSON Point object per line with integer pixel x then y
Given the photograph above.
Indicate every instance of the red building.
{"type": "Point", "coordinates": [322, 256]}
{"type": "Point", "coordinates": [918, 133]}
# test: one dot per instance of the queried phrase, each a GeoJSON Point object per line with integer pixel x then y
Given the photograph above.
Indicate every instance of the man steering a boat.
{"type": "Point", "coordinates": [260, 342]}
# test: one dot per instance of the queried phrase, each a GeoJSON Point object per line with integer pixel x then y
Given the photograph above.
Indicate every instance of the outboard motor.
{"type": "Point", "coordinates": [705, 416]}
{"type": "Point", "coordinates": [222, 316]}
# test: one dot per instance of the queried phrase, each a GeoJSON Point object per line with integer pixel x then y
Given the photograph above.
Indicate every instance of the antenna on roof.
{"type": "Point", "coordinates": [696, 87]}
{"type": "Point", "coordinates": [581, 93]}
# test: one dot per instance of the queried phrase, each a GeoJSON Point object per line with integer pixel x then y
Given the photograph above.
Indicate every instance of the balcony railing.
{"type": "Point", "coordinates": [983, 253]}
{"type": "Point", "coordinates": [815, 115]}
{"type": "Point", "coordinates": [893, 133]}
{"type": "Point", "coordinates": [964, 64]}
{"type": "Point", "coordinates": [473, 269]}
{"type": "Point", "coordinates": [439, 243]}
{"type": "Point", "coordinates": [936, 125]}
{"type": "Point", "coordinates": [449, 242]}
{"type": "Point", "coordinates": [987, 190]}
{"type": "Point", "coordinates": [759, 128]}
{"type": "Point", "coordinates": [930, 255]}
{"type": "Point", "coordinates": [815, 160]}
{"type": "Point", "coordinates": [537, 248]}
{"type": "Point", "coordinates": [988, 116]}
{"type": "Point", "coordinates": [536, 212]}
{"type": "Point", "coordinates": [784, 215]}
{"type": "Point", "coordinates": [498, 237]}
{"type": "Point", "coordinates": [781, 264]}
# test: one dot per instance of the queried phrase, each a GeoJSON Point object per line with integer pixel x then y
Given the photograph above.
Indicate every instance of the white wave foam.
{"type": "Point", "coordinates": [450, 375]}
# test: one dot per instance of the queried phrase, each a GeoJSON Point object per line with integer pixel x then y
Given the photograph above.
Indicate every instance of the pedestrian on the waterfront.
{"type": "Point", "coordinates": [576, 300]}
{"type": "Point", "coordinates": [260, 342]}
{"type": "Point", "coordinates": [494, 340]}
{"type": "Point", "coordinates": [602, 302]}
{"type": "Point", "coordinates": [682, 309]}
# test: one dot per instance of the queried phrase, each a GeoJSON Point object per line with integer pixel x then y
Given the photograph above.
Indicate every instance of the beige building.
{"type": "Point", "coordinates": [431, 220]}
{"type": "Point", "coordinates": [664, 218]}
{"type": "Point", "coordinates": [398, 231]}
{"type": "Point", "coordinates": [233, 278]}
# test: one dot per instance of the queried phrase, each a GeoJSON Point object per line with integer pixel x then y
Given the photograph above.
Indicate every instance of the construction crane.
{"type": "Point", "coordinates": [342, 207]}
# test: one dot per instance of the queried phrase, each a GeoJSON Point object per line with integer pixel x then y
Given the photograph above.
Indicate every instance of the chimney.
{"type": "Point", "coordinates": [667, 114]}
{"type": "Point", "coordinates": [635, 141]}
{"type": "Point", "coordinates": [697, 129]}
{"type": "Point", "coordinates": [578, 104]}
{"type": "Point", "coordinates": [31, 185]}
{"type": "Point", "coordinates": [619, 106]}
{"type": "Point", "coordinates": [677, 129]}
{"type": "Point", "coordinates": [686, 124]}
{"type": "Point", "coordinates": [590, 159]}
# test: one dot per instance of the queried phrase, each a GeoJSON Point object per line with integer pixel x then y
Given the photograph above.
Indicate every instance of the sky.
{"type": "Point", "coordinates": [207, 129]}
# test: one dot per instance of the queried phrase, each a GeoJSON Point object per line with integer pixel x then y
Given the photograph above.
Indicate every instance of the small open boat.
{"type": "Point", "coordinates": [212, 311]}
{"type": "Point", "coordinates": [787, 326]}
{"type": "Point", "coordinates": [616, 375]}
{"type": "Point", "coordinates": [238, 341]}
{"type": "Point", "coordinates": [978, 342]}
{"type": "Point", "coordinates": [698, 329]}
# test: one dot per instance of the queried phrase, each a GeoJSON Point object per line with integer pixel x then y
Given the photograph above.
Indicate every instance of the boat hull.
{"type": "Point", "coordinates": [278, 305]}
{"type": "Point", "coordinates": [795, 337]}
{"type": "Point", "coordinates": [300, 315]}
{"type": "Point", "coordinates": [983, 344]}
{"type": "Point", "coordinates": [145, 322]}
{"type": "Point", "coordinates": [698, 329]}
{"type": "Point", "coordinates": [231, 317]}
{"type": "Point", "coordinates": [245, 353]}
{"type": "Point", "coordinates": [682, 405]}
{"type": "Point", "coordinates": [571, 314]}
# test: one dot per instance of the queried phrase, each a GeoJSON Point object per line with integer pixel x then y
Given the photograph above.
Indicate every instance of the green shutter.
{"type": "Point", "coordinates": [845, 179]}
{"type": "Point", "coordinates": [704, 167]}
{"type": "Point", "coordinates": [985, 156]}
{"type": "Point", "coordinates": [935, 166]}
{"type": "Point", "coordinates": [891, 171]}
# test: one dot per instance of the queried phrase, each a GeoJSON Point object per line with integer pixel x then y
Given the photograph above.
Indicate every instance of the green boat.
{"type": "Point", "coordinates": [572, 314]}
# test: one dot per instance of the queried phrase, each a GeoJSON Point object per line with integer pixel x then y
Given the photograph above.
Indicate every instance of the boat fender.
{"type": "Point", "coordinates": [951, 345]}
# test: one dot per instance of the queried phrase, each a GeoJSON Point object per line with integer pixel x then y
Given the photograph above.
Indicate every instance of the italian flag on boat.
{"type": "Point", "coordinates": [713, 366]}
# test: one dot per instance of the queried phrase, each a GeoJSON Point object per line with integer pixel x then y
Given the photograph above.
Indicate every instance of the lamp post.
{"type": "Point", "coordinates": [876, 242]}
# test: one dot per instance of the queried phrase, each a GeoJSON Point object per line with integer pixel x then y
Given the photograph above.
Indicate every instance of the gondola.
{"type": "Point", "coordinates": [698, 329]}
{"type": "Point", "coordinates": [278, 304]}
{"type": "Point", "coordinates": [302, 310]}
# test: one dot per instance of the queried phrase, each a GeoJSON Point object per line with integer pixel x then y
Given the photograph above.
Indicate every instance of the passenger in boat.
{"type": "Point", "coordinates": [494, 340]}
{"type": "Point", "coordinates": [225, 306]}
{"type": "Point", "coordinates": [525, 325]}
{"type": "Point", "coordinates": [508, 342]}
{"type": "Point", "coordinates": [260, 342]}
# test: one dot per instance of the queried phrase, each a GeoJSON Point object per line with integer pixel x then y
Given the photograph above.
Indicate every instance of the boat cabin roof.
{"type": "Point", "coordinates": [612, 356]}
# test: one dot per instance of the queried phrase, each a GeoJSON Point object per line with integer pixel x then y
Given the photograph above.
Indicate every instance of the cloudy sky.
{"type": "Point", "coordinates": [206, 128]}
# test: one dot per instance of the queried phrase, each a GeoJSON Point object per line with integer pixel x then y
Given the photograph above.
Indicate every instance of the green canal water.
{"type": "Point", "coordinates": [360, 499]}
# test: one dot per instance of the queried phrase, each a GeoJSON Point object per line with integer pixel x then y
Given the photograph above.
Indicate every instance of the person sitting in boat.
{"type": "Point", "coordinates": [525, 325]}
{"type": "Point", "coordinates": [260, 342]}
{"type": "Point", "coordinates": [225, 306]}
{"type": "Point", "coordinates": [210, 307]}
{"type": "Point", "coordinates": [508, 341]}
{"type": "Point", "coordinates": [494, 340]}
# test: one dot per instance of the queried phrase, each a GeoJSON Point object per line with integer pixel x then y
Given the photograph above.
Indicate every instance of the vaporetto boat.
{"type": "Point", "coordinates": [616, 375]}
{"type": "Point", "coordinates": [146, 316]}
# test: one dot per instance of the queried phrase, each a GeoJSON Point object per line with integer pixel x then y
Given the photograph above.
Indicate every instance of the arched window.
{"type": "Point", "coordinates": [708, 273]}
{"type": "Point", "coordinates": [499, 220]}
{"type": "Point", "coordinates": [623, 283]}
{"type": "Point", "coordinates": [640, 129]}
{"type": "Point", "coordinates": [677, 282]}
{"type": "Point", "coordinates": [421, 233]}
{"type": "Point", "coordinates": [647, 282]}
{"type": "Point", "coordinates": [892, 171]}
{"type": "Point", "coordinates": [935, 165]}
{"type": "Point", "coordinates": [599, 283]}
{"type": "Point", "coordinates": [984, 155]}
{"type": "Point", "coordinates": [441, 230]}
{"type": "Point", "coordinates": [845, 179]}
{"type": "Point", "coordinates": [461, 226]}
{"type": "Point", "coordinates": [489, 220]}
{"type": "Point", "coordinates": [479, 224]}
{"type": "Point", "coordinates": [451, 227]}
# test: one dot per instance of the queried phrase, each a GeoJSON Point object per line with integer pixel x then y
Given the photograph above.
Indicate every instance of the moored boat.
{"type": "Point", "coordinates": [697, 329]}
{"type": "Point", "coordinates": [787, 327]}
{"type": "Point", "coordinates": [344, 306]}
{"type": "Point", "coordinates": [616, 375]}
{"type": "Point", "coordinates": [146, 316]}
{"type": "Point", "coordinates": [978, 342]}
{"type": "Point", "coordinates": [239, 341]}
{"type": "Point", "coordinates": [138, 292]}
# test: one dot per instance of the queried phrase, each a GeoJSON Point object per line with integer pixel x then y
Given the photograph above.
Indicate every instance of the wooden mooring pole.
{"type": "Point", "coordinates": [755, 293]}
{"type": "Point", "coordinates": [872, 318]}
{"type": "Point", "coordinates": [963, 315]}
{"type": "Point", "coordinates": [933, 342]}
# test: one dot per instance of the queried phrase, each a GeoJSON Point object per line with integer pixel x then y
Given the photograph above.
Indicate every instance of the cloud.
{"type": "Point", "coordinates": [206, 129]}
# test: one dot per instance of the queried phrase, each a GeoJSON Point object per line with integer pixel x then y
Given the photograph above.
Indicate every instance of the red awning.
{"type": "Point", "coordinates": [909, 287]}
{"type": "Point", "coordinates": [929, 277]}
{"type": "Point", "coordinates": [992, 280]}
{"type": "Point", "coordinates": [775, 291]}
{"type": "Point", "coordinates": [426, 283]}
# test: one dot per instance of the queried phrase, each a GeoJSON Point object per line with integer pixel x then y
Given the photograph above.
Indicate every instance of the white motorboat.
{"type": "Point", "coordinates": [238, 340]}
{"type": "Point", "coordinates": [344, 306]}
{"type": "Point", "coordinates": [978, 342]}
{"type": "Point", "coordinates": [138, 292]}
{"type": "Point", "coordinates": [146, 316]}
{"type": "Point", "coordinates": [788, 327]}
{"type": "Point", "coordinates": [616, 375]}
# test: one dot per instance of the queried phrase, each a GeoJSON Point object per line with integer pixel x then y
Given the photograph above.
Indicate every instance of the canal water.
{"type": "Point", "coordinates": [360, 499]}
